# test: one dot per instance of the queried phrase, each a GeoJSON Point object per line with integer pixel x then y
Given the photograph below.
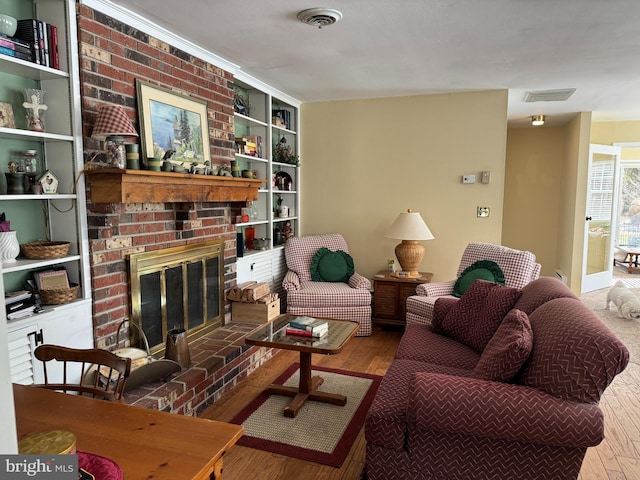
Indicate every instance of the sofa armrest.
{"type": "Point", "coordinates": [501, 411]}
{"type": "Point", "coordinates": [438, 289]}
{"type": "Point", "coordinates": [359, 282]}
{"type": "Point", "coordinates": [291, 281]}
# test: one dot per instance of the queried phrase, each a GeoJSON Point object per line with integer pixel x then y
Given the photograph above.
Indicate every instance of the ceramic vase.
{"type": "Point", "coordinates": [9, 247]}
{"type": "Point", "coordinates": [15, 183]}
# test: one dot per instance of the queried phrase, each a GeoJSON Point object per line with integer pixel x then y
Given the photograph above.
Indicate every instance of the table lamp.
{"type": "Point", "coordinates": [409, 227]}
{"type": "Point", "coordinates": [111, 126]}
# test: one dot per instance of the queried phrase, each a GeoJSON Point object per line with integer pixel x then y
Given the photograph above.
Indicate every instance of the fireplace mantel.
{"type": "Point", "coordinates": [114, 185]}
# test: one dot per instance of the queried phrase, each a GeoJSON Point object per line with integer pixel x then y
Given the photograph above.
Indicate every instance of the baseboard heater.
{"type": "Point", "coordinates": [561, 276]}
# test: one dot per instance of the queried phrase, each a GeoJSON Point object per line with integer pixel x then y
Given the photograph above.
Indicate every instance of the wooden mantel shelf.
{"type": "Point", "coordinates": [114, 185]}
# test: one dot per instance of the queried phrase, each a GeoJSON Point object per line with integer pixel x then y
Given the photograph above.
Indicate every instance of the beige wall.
{"type": "Point", "coordinates": [532, 192]}
{"type": "Point", "coordinates": [545, 192]}
{"type": "Point", "coordinates": [365, 161]}
{"type": "Point", "coordinates": [608, 133]}
{"type": "Point", "coordinates": [573, 200]}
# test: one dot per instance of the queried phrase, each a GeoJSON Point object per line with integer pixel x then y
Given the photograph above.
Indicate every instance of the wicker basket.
{"type": "Point", "coordinates": [58, 296]}
{"type": "Point", "coordinates": [43, 249]}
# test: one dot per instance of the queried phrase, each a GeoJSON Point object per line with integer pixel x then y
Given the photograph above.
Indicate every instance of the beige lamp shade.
{"type": "Point", "coordinates": [409, 227]}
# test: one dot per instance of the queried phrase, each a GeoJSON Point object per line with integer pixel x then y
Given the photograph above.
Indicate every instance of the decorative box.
{"type": "Point", "coordinates": [255, 312]}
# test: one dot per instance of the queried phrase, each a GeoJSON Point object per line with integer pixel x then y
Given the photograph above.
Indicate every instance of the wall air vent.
{"type": "Point", "coordinates": [561, 95]}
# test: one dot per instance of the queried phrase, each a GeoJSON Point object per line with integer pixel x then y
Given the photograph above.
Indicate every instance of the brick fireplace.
{"type": "Point", "coordinates": [112, 56]}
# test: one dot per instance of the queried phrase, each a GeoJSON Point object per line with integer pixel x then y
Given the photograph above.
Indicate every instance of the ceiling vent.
{"type": "Point", "coordinates": [561, 95]}
{"type": "Point", "coordinates": [319, 17]}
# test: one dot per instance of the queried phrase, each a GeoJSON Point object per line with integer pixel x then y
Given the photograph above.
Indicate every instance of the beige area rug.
{"type": "Point", "coordinates": [627, 330]}
{"type": "Point", "coordinates": [321, 432]}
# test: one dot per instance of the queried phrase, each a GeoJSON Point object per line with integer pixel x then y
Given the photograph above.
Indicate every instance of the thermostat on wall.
{"type": "Point", "coordinates": [468, 179]}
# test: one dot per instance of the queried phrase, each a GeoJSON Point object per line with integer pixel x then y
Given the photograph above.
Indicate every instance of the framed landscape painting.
{"type": "Point", "coordinates": [169, 121]}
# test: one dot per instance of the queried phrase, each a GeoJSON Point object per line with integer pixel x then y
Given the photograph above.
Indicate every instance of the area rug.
{"type": "Point", "coordinates": [321, 432]}
{"type": "Point", "coordinates": [627, 330]}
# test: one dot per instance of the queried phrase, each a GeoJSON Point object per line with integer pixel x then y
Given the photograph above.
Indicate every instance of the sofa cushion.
{"type": "Point", "coordinates": [507, 350]}
{"type": "Point", "coordinates": [421, 344]}
{"type": "Point", "coordinates": [482, 269]}
{"type": "Point", "coordinates": [328, 294]}
{"type": "Point", "coordinates": [477, 315]}
{"type": "Point", "coordinates": [328, 266]}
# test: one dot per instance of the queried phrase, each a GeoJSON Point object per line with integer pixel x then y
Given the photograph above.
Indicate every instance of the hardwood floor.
{"type": "Point", "coordinates": [616, 458]}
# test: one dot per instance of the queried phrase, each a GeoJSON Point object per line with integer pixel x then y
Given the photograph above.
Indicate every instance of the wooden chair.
{"type": "Point", "coordinates": [102, 374]}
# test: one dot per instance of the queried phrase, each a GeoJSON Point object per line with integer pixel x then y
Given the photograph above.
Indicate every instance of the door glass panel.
{"type": "Point", "coordinates": [600, 213]}
{"type": "Point", "coordinates": [629, 220]}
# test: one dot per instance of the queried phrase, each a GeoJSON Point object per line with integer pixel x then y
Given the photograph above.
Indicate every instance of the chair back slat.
{"type": "Point", "coordinates": [102, 374]}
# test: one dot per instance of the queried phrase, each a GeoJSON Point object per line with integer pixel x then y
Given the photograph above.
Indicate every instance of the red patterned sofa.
{"type": "Point", "coordinates": [523, 407]}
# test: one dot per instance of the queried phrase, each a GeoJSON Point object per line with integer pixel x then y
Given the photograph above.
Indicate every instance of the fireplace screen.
{"type": "Point", "coordinates": [179, 287]}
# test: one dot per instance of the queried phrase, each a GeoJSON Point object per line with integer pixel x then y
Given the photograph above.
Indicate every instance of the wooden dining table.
{"type": "Point", "coordinates": [144, 443]}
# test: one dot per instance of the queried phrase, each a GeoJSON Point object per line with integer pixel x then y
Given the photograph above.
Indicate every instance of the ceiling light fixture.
{"type": "Point", "coordinates": [319, 17]}
{"type": "Point", "coordinates": [537, 120]}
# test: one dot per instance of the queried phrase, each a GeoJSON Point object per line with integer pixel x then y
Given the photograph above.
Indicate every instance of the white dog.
{"type": "Point", "coordinates": [627, 302]}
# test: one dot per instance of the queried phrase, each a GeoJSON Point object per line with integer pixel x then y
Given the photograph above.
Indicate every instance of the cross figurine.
{"type": "Point", "coordinates": [35, 106]}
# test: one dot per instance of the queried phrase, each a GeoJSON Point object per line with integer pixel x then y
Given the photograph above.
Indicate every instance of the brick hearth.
{"type": "Point", "coordinates": [219, 361]}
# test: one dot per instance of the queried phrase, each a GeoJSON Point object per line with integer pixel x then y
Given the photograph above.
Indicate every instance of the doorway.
{"type": "Point", "coordinates": [627, 233]}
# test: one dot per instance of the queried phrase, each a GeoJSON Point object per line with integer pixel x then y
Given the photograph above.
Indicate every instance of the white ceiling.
{"type": "Point", "coordinates": [387, 48]}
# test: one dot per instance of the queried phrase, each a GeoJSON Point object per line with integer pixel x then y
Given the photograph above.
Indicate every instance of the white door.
{"type": "Point", "coordinates": [600, 221]}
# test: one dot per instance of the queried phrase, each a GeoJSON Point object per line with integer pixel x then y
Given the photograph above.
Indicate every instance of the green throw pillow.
{"type": "Point", "coordinates": [483, 270]}
{"type": "Point", "coordinates": [328, 266]}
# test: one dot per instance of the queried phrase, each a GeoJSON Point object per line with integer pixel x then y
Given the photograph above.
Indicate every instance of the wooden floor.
{"type": "Point", "coordinates": [616, 458]}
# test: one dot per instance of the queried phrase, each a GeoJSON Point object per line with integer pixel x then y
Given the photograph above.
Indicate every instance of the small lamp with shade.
{"type": "Point", "coordinates": [112, 125]}
{"type": "Point", "coordinates": [410, 228]}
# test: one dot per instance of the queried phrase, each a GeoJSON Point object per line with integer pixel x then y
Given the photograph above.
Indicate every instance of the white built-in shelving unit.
{"type": "Point", "coordinates": [57, 217]}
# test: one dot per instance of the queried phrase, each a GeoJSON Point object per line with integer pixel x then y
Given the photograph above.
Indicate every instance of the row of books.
{"type": "Point", "coordinates": [249, 145]}
{"type": "Point", "coordinates": [17, 48]}
{"type": "Point", "coordinates": [20, 304]}
{"type": "Point", "coordinates": [307, 327]}
{"type": "Point", "coordinates": [42, 38]}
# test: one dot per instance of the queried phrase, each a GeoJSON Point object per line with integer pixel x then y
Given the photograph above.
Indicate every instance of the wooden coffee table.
{"type": "Point", "coordinates": [272, 335]}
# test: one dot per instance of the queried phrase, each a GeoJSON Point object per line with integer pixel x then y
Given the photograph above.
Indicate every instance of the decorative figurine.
{"type": "Point", "coordinates": [224, 171]}
{"type": "Point", "coordinates": [33, 104]}
{"type": "Point", "coordinates": [287, 231]}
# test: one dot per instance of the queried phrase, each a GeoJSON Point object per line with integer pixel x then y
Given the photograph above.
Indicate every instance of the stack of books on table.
{"type": "Point", "coordinates": [307, 327]}
{"type": "Point", "coordinates": [20, 304]}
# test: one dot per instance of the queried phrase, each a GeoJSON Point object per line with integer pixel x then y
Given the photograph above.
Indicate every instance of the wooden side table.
{"type": "Point", "coordinates": [390, 297]}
